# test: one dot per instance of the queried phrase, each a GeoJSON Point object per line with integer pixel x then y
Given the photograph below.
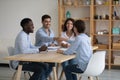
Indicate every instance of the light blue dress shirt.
{"type": "Point", "coordinates": [42, 38]}
{"type": "Point", "coordinates": [23, 45]}
{"type": "Point", "coordinates": [83, 50]}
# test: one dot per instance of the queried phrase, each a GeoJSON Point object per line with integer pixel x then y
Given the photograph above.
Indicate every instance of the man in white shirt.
{"type": "Point", "coordinates": [23, 45]}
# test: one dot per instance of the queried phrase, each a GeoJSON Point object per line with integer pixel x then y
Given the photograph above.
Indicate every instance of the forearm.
{"type": "Point", "coordinates": [31, 50]}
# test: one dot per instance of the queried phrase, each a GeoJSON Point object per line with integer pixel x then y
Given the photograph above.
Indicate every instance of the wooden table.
{"type": "Point", "coordinates": [50, 56]}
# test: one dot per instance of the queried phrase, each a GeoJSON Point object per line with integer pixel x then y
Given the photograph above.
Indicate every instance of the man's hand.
{"type": "Point", "coordinates": [60, 39]}
{"type": "Point", "coordinates": [65, 45]}
{"type": "Point", "coordinates": [60, 51]}
{"type": "Point", "coordinates": [43, 48]}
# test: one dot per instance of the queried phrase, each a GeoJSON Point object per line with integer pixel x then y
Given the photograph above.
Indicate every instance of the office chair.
{"type": "Point", "coordinates": [11, 52]}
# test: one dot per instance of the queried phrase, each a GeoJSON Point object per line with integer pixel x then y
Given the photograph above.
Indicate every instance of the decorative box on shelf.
{"type": "Point", "coordinates": [102, 46]}
{"type": "Point", "coordinates": [117, 60]}
{"type": "Point", "coordinates": [116, 45]}
{"type": "Point", "coordinates": [116, 30]}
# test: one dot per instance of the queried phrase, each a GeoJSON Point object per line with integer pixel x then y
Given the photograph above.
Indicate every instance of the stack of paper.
{"type": "Point", "coordinates": [53, 48]}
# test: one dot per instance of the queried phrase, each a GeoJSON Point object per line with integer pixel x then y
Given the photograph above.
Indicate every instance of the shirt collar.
{"type": "Point", "coordinates": [45, 31]}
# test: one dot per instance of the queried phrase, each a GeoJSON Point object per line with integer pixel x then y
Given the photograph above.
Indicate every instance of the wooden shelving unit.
{"type": "Point", "coordinates": [104, 10]}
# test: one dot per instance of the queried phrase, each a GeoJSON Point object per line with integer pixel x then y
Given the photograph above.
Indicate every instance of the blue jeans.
{"type": "Point", "coordinates": [69, 62]}
{"type": "Point", "coordinates": [66, 63]}
{"type": "Point", "coordinates": [41, 70]}
{"type": "Point", "coordinates": [69, 71]}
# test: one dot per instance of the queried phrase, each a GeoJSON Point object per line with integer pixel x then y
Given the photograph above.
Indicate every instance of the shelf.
{"type": "Point", "coordinates": [116, 20]}
{"type": "Point", "coordinates": [117, 35]}
{"type": "Point", "coordinates": [115, 64]}
{"type": "Point", "coordinates": [101, 34]}
{"type": "Point", "coordinates": [84, 6]}
{"type": "Point", "coordinates": [101, 5]}
{"type": "Point", "coordinates": [115, 50]}
{"type": "Point", "coordinates": [96, 23]}
{"type": "Point", "coordinates": [116, 5]}
{"type": "Point", "coordinates": [101, 20]}
{"type": "Point", "coordinates": [72, 6]}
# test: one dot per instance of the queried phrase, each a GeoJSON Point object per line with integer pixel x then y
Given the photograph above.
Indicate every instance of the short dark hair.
{"type": "Point", "coordinates": [80, 26]}
{"type": "Point", "coordinates": [25, 21]}
{"type": "Point", "coordinates": [64, 27]}
{"type": "Point", "coordinates": [45, 16]}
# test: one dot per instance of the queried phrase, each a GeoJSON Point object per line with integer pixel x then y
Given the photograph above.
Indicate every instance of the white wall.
{"type": "Point", "coordinates": [11, 13]}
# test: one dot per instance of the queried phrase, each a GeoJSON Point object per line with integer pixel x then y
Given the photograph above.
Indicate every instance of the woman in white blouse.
{"type": "Point", "coordinates": [68, 32]}
{"type": "Point", "coordinates": [68, 36]}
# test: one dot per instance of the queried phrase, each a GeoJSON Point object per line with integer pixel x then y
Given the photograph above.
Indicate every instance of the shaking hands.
{"type": "Point", "coordinates": [60, 39]}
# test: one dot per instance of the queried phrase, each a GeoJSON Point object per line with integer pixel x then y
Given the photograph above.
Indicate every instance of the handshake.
{"type": "Point", "coordinates": [60, 39]}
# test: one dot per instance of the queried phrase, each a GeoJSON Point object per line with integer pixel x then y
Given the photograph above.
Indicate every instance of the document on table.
{"type": "Point", "coordinates": [64, 49]}
{"type": "Point", "coordinates": [53, 48]}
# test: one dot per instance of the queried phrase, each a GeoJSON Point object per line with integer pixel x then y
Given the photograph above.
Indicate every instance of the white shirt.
{"type": "Point", "coordinates": [71, 38]}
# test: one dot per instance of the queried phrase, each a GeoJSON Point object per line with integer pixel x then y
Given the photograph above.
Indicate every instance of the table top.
{"type": "Point", "coordinates": [51, 56]}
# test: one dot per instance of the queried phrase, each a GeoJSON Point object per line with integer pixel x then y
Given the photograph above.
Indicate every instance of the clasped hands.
{"type": "Point", "coordinates": [60, 39]}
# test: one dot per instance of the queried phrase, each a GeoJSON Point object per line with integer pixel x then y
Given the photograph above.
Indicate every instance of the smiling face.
{"type": "Point", "coordinates": [46, 23]}
{"type": "Point", "coordinates": [69, 25]}
{"type": "Point", "coordinates": [29, 27]}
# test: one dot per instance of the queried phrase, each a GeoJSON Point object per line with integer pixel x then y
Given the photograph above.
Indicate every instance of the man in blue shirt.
{"type": "Point", "coordinates": [83, 50]}
{"type": "Point", "coordinates": [45, 35]}
{"type": "Point", "coordinates": [23, 45]}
